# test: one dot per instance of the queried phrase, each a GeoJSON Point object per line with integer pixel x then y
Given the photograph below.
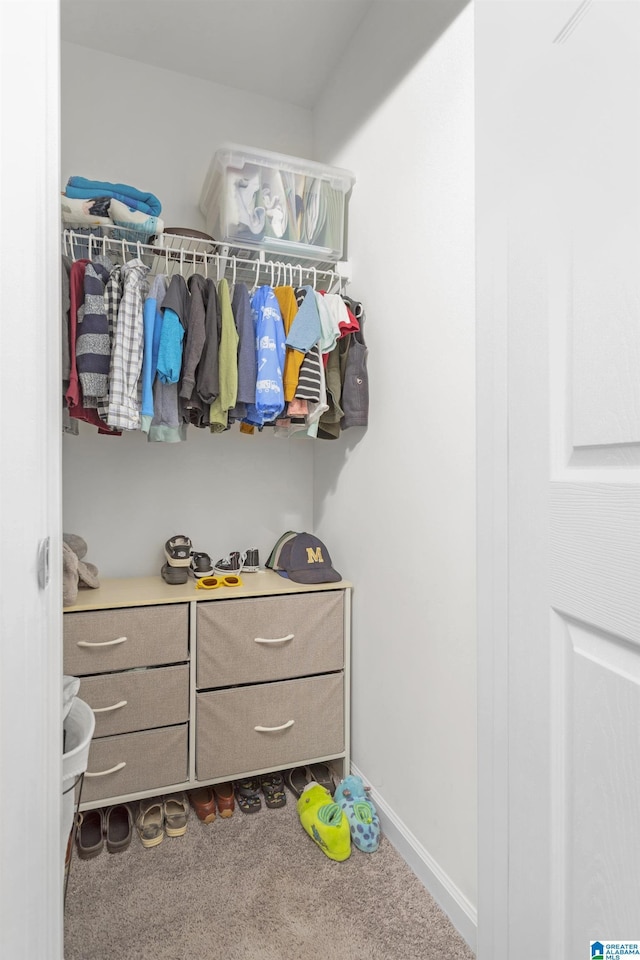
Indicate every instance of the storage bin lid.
{"type": "Point", "coordinates": [237, 155]}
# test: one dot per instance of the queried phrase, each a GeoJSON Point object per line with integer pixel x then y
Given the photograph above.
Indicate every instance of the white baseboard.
{"type": "Point", "coordinates": [449, 898]}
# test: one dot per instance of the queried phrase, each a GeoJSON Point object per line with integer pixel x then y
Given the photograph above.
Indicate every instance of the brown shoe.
{"type": "Point", "coordinates": [224, 798]}
{"type": "Point", "coordinates": [204, 803]}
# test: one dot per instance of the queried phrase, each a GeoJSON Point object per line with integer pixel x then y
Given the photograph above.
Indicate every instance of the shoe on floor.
{"type": "Point", "coordinates": [325, 822]}
{"type": "Point", "coordinates": [247, 795]}
{"type": "Point", "coordinates": [150, 821]}
{"type": "Point", "coordinates": [351, 788]}
{"type": "Point", "coordinates": [364, 823]}
{"type": "Point", "coordinates": [296, 779]}
{"type": "Point", "coordinates": [321, 773]}
{"type": "Point", "coordinates": [272, 785]}
{"type": "Point", "coordinates": [176, 814]}
{"type": "Point", "coordinates": [174, 574]}
{"type": "Point", "coordinates": [224, 799]}
{"type": "Point", "coordinates": [177, 550]}
{"type": "Point", "coordinates": [118, 823]}
{"type": "Point", "coordinates": [90, 834]}
{"type": "Point", "coordinates": [203, 802]}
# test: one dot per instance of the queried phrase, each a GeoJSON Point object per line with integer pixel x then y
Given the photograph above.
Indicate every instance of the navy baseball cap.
{"type": "Point", "coordinates": [305, 559]}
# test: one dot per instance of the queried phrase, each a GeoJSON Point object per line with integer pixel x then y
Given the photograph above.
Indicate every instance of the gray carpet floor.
{"type": "Point", "coordinates": [252, 887]}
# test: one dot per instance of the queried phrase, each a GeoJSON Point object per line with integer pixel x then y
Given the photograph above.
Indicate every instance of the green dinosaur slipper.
{"type": "Point", "coordinates": [325, 822]}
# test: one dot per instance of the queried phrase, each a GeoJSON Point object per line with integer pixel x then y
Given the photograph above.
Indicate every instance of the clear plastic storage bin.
{"type": "Point", "coordinates": [269, 201]}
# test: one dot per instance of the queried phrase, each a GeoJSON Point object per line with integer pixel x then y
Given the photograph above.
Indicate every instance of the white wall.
{"type": "Point", "coordinates": [397, 506]}
{"type": "Point", "coordinates": [157, 130]}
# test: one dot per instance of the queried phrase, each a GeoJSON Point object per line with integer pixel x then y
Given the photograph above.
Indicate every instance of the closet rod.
{"type": "Point", "coordinates": [187, 255]}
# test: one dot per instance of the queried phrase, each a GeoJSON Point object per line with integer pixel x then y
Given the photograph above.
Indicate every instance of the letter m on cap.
{"type": "Point", "coordinates": [314, 555]}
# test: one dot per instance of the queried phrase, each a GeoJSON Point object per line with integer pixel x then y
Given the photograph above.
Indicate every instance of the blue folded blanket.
{"type": "Point", "coordinates": [82, 189]}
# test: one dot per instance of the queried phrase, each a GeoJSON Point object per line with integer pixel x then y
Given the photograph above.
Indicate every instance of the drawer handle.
{"type": "Point", "coordinates": [114, 706]}
{"type": "Point", "coordinates": [289, 636]}
{"type": "Point", "coordinates": [103, 773]}
{"type": "Point", "coordinates": [283, 726]}
{"type": "Point", "coordinates": [105, 643]}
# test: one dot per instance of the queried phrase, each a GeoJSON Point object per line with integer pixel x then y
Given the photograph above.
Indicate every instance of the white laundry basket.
{"type": "Point", "coordinates": [79, 725]}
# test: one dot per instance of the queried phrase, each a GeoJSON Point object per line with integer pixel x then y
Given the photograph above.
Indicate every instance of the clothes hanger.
{"type": "Point", "coordinates": [255, 285]}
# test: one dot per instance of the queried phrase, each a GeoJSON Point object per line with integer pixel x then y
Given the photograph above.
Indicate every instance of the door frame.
{"type": "Point", "coordinates": [493, 507]}
{"type": "Point", "coordinates": [492, 589]}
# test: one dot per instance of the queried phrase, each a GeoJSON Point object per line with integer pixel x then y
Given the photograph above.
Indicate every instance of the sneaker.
{"type": "Point", "coordinates": [234, 563]}
{"type": "Point", "coordinates": [252, 561]}
{"type": "Point", "coordinates": [174, 574]}
{"type": "Point", "coordinates": [177, 550]}
{"type": "Point", "coordinates": [324, 821]}
{"type": "Point", "coordinates": [200, 565]}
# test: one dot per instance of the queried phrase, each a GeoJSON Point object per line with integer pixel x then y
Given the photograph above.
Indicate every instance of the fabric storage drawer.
{"type": "Point", "coordinates": [137, 699]}
{"type": "Point", "coordinates": [155, 758]}
{"type": "Point", "coordinates": [269, 638]}
{"type": "Point", "coordinates": [228, 743]}
{"type": "Point", "coordinates": [153, 635]}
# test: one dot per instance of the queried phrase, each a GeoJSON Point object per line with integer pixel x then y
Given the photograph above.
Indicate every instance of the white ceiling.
{"type": "Point", "coordinates": [285, 49]}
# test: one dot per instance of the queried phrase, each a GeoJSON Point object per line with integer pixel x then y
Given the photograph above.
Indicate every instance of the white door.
{"type": "Point", "coordinates": [559, 461]}
{"type": "Point", "coordinates": [31, 864]}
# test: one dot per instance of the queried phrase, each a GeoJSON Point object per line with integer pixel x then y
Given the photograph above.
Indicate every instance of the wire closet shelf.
{"type": "Point", "coordinates": [171, 253]}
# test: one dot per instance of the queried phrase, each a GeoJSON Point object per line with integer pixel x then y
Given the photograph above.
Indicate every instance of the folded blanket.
{"type": "Point", "coordinates": [84, 211]}
{"type": "Point", "coordinates": [83, 189]}
{"type": "Point", "coordinates": [135, 220]}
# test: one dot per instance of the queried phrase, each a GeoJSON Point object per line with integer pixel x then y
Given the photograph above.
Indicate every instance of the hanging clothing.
{"type": "Point", "coordinates": [195, 337]}
{"type": "Point", "coordinates": [126, 355]}
{"type": "Point", "coordinates": [208, 374]}
{"type": "Point", "coordinates": [355, 378]}
{"type": "Point", "coordinates": [77, 410]}
{"type": "Point", "coordinates": [247, 359]}
{"type": "Point", "coordinates": [306, 328]}
{"type": "Point", "coordinates": [270, 349]}
{"type": "Point", "coordinates": [153, 320]}
{"type": "Point", "coordinates": [93, 348]}
{"type": "Point", "coordinates": [112, 298]}
{"type": "Point", "coordinates": [286, 297]}
{"type": "Point", "coordinates": [227, 363]}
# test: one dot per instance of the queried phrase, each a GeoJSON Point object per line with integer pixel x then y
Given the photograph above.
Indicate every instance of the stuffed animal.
{"type": "Point", "coordinates": [75, 571]}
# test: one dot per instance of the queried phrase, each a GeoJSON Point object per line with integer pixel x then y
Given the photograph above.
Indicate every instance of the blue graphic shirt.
{"type": "Point", "coordinates": [270, 352]}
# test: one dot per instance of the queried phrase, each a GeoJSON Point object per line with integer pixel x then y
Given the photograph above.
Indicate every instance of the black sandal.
{"type": "Point", "coordinates": [247, 795]}
{"type": "Point", "coordinates": [296, 779]}
{"type": "Point", "coordinates": [273, 788]}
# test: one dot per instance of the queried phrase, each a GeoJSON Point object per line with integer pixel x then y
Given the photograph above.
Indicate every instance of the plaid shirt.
{"type": "Point", "coordinates": [112, 298]}
{"type": "Point", "coordinates": [127, 349]}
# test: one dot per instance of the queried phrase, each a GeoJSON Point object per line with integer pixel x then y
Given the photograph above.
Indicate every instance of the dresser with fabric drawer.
{"type": "Point", "coordinates": [190, 687]}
